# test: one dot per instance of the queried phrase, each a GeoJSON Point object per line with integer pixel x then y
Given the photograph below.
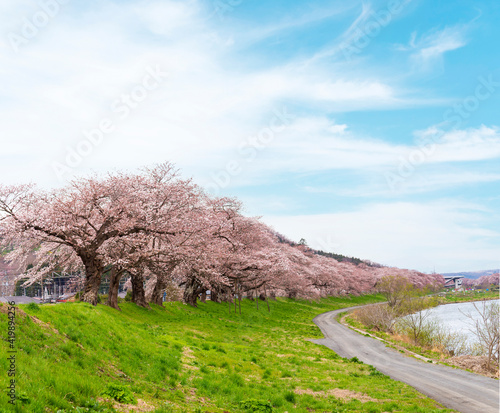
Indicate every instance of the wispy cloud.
{"type": "Point", "coordinates": [472, 144]}
{"type": "Point", "coordinates": [427, 50]}
{"type": "Point", "coordinates": [291, 22]}
{"type": "Point", "coordinates": [317, 145]}
{"type": "Point", "coordinates": [438, 179]}
{"type": "Point", "coordinates": [349, 36]}
{"type": "Point", "coordinates": [78, 77]}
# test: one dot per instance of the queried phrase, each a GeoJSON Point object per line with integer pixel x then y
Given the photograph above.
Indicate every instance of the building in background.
{"type": "Point", "coordinates": [453, 281]}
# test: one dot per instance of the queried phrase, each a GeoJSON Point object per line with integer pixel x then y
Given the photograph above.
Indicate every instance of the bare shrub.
{"type": "Point", "coordinates": [418, 326]}
{"type": "Point", "coordinates": [486, 328]}
{"type": "Point", "coordinates": [450, 343]}
{"type": "Point", "coordinates": [378, 316]}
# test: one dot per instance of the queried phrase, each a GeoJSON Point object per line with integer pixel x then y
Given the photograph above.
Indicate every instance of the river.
{"type": "Point", "coordinates": [452, 317]}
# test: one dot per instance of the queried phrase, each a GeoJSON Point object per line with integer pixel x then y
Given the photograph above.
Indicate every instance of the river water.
{"type": "Point", "coordinates": [452, 317]}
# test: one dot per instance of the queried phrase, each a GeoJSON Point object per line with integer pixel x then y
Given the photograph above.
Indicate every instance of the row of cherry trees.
{"type": "Point", "coordinates": [484, 281]}
{"type": "Point", "coordinates": [161, 230]}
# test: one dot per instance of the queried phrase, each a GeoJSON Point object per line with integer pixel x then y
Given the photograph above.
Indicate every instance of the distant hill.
{"type": "Point", "coordinates": [344, 258]}
{"type": "Point", "coordinates": [474, 275]}
{"type": "Point", "coordinates": [337, 257]}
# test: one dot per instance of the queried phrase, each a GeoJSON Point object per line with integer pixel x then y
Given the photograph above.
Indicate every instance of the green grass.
{"type": "Point", "coordinates": [182, 359]}
{"type": "Point", "coordinates": [467, 296]}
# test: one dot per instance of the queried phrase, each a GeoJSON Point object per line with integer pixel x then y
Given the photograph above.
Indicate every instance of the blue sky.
{"type": "Point", "coordinates": [368, 128]}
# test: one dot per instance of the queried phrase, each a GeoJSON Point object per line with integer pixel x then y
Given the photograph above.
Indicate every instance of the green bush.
{"type": "Point", "coordinates": [23, 397]}
{"type": "Point", "coordinates": [33, 307]}
{"type": "Point", "coordinates": [256, 406]}
{"type": "Point", "coordinates": [375, 373]}
{"type": "Point", "coordinates": [120, 393]}
{"type": "Point", "coordinates": [290, 396]}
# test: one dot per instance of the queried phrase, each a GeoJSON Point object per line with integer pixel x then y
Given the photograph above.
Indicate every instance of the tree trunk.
{"type": "Point", "coordinates": [215, 296]}
{"type": "Point", "coordinates": [114, 283]}
{"type": "Point", "coordinates": [227, 295]}
{"type": "Point", "coordinates": [239, 300]}
{"type": "Point", "coordinates": [161, 284]}
{"type": "Point", "coordinates": [93, 277]}
{"type": "Point", "coordinates": [191, 292]}
{"type": "Point", "coordinates": [157, 296]}
{"type": "Point", "coordinates": [267, 300]}
{"type": "Point", "coordinates": [203, 298]}
{"type": "Point", "coordinates": [138, 293]}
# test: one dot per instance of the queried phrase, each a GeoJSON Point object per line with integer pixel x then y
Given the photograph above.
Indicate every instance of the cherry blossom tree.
{"type": "Point", "coordinates": [163, 230]}
{"type": "Point", "coordinates": [81, 220]}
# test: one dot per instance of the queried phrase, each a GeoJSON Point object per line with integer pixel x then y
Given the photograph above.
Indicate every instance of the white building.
{"type": "Point", "coordinates": [453, 281]}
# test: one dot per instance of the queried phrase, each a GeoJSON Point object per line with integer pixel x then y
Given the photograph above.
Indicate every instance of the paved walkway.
{"type": "Point", "coordinates": [454, 388]}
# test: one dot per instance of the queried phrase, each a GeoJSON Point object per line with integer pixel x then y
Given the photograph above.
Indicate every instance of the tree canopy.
{"type": "Point", "coordinates": [161, 229]}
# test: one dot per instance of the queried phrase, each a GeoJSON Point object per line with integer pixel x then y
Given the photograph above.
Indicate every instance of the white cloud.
{"type": "Point", "coordinates": [421, 183]}
{"type": "Point", "coordinates": [167, 17]}
{"type": "Point", "coordinates": [64, 81]}
{"type": "Point", "coordinates": [471, 144]}
{"type": "Point", "coordinates": [446, 234]}
{"type": "Point", "coordinates": [313, 14]}
{"type": "Point", "coordinates": [427, 50]}
{"type": "Point", "coordinates": [316, 144]}
{"type": "Point", "coordinates": [346, 38]}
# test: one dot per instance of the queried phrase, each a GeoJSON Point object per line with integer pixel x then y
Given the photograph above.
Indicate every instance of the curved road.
{"type": "Point", "coordinates": [456, 389]}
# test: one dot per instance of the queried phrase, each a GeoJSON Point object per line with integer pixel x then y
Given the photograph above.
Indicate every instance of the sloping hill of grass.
{"type": "Point", "coordinates": [75, 357]}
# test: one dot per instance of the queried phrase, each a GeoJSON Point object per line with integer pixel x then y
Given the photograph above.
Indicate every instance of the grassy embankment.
{"type": "Point", "coordinates": [451, 297]}
{"type": "Point", "coordinates": [183, 359]}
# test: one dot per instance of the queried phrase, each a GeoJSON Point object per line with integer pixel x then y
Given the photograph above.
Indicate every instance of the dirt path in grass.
{"type": "Point", "coordinates": [456, 389]}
